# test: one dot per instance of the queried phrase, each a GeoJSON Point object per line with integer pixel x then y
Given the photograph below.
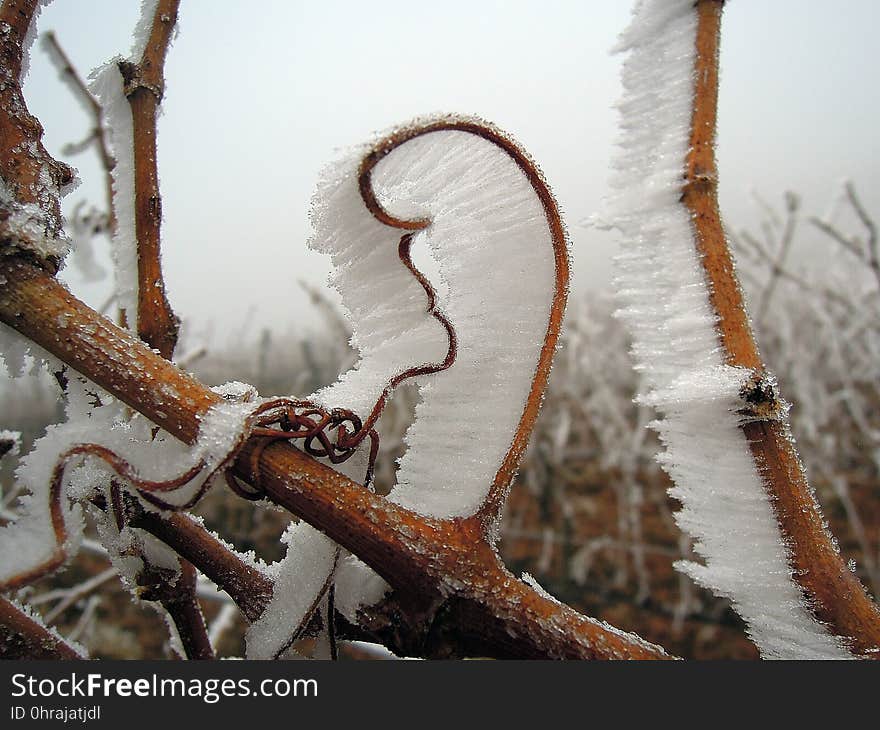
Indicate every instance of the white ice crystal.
{"type": "Point", "coordinates": [664, 300]}
{"type": "Point", "coordinates": [315, 558]}
{"type": "Point", "coordinates": [106, 84]}
{"type": "Point", "coordinates": [30, 540]}
{"type": "Point", "coordinates": [29, 39]}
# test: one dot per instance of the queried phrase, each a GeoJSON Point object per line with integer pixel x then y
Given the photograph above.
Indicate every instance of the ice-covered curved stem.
{"type": "Point", "coordinates": [478, 339]}
{"type": "Point", "coordinates": [480, 206]}
{"type": "Point", "coordinates": [744, 497]}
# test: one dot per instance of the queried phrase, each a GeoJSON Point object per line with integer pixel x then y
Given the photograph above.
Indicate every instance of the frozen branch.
{"type": "Point", "coordinates": [436, 566]}
{"type": "Point", "coordinates": [834, 594]}
{"type": "Point", "coordinates": [31, 181]}
{"type": "Point", "coordinates": [22, 637]}
{"type": "Point", "coordinates": [144, 86]}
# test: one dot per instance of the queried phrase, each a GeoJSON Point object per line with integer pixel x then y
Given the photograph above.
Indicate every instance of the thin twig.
{"type": "Point", "coordinates": [98, 133]}
{"type": "Point", "coordinates": [144, 87]}
{"type": "Point", "coordinates": [871, 227]}
{"type": "Point", "coordinates": [72, 595]}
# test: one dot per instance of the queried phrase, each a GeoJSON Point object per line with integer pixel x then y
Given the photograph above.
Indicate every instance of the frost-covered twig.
{"type": "Point", "coordinates": [23, 636]}
{"type": "Point", "coordinates": [70, 596]}
{"type": "Point", "coordinates": [822, 339]}
{"type": "Point", "coordinates": [866, 252]}
{"type": "Point", "coordinates": [144, 88]}
{"type": "Point", "coordinates": [31, 181]}
{"type": "Point", "coordinates": [177, 595]}
{"type": "Point", "coordinates": [745, 498]}
{"type": "Point", "coordinates": [130, 93]}
{"type": "Point", "coordinates": [98, 134]}
{"type": "Point", "coordinates": [248, 587]}
{"type": "Point", "coordinates": [835, 596]}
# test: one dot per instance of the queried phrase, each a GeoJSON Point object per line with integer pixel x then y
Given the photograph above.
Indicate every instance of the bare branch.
{"type": "Point", "coordinates": [144, 87]}
{"type": "Point", "coordinates": [847, 244]}
{"type": "Point", "coordinates": [21, 637]}
{"type": "Point", "coordinates": [871, 227]}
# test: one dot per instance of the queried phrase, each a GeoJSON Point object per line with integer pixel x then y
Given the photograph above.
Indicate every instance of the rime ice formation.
{"type": "Point", "coordinates": [107, 86]}
{"type": "Point", "coordinates": [31, 541]}
{"type": "Point", "coordinates": [491, 243]}
{"type": "Point", "coordinates": [664, 301]}
{"type": "Point", "coordinates": [33, 228]}
{"type": "Point", "coordinates": [296, 591]}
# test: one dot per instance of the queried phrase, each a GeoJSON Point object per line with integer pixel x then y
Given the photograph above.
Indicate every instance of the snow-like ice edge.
{"type": "Point", "coordinates": [491, 243]}
{"type": "Point", "coordinates": [664, 300]}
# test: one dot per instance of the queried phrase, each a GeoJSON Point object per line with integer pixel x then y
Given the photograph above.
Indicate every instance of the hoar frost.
{"type": "Point", "coordinates": [107, 86]}
{"type": "Point", "coordinates": [30, 540]}
{"type": "Point", "coordinates": [664, 300]}
{"type": "Point", "coordinates": [490, 241]}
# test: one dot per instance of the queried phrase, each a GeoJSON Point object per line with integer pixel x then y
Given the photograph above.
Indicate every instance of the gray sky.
{"type": "Point", "coordinates": [256, 104]}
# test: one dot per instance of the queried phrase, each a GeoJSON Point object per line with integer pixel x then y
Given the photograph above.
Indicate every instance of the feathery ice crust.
{"type": "Point", "coordinates": [489, 236]}
{"type": "Point", "coordinates": [663, 298]}
{"type": "Point", "coordinates": [502, 261]}
{"type": "Point", "coordinates": [30, 544]}
{"type": "Point", "coordinates": [107, 84]}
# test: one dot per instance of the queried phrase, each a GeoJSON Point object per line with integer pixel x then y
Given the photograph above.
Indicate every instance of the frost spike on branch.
{"type": "Point", "coordinates": [833, 591]}
{"type": "Point", "coordinates": [728, 448]}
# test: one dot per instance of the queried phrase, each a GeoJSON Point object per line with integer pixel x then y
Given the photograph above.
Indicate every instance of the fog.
{"type": "Point", "coordinates": [256, 104]}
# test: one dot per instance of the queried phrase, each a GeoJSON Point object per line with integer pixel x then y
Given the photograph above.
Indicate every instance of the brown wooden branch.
{"type": "Point", "coordinates": [834, 594]}
{"type": "Point", "coordinates": [178, 598]}
{"type": "Point", "coordinates": [144, 86]}
{"type": "Point", "coordinates": [250, 589]}
{"type": "Point", "coordinates": [32, 178]}
{"type": "Point", "coordinates": [443, 572]}
{"type": "Point", "coordinates": [23, 638]}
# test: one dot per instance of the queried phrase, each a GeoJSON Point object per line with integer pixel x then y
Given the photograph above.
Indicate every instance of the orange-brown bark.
{"type": "Point", "coordinates": [144, 86]}
{"type": "Point", "coordinates": [832, 591]}
{"type": "Point", "coordinates": [31, 176]}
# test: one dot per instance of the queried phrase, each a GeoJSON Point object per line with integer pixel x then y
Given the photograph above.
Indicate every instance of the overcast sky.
{"type": "Point", "coordinates": [256, 104]}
